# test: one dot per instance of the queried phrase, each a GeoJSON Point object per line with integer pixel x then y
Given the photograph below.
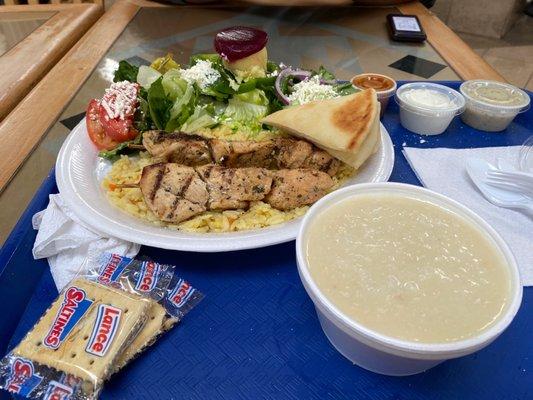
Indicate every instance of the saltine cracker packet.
{"type": "Point", "coordinates": [99, 322]}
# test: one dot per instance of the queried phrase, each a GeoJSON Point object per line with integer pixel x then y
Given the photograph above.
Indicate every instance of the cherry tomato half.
{"type": "Point", "coordinates": [118, 129]}
{"type": "Point", "coordinates": [95, 129]}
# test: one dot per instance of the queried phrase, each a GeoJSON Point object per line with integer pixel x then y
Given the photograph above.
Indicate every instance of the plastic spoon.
{"type": "Point", "coordinates": [477, 170]}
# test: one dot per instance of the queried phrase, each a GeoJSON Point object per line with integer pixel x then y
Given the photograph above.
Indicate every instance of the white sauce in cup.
{"type": "Point", "coordinates": [428, 108]}
{"type": "Point", "coordinates": [428, 98]}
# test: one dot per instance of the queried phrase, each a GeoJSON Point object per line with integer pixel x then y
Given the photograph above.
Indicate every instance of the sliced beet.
{"type": "Point", "coordinates": [238, 42]}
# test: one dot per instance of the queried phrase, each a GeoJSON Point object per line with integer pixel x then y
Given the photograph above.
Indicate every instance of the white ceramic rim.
{"type": "Point", "coordinates": [398, 346]}
{"type": "Point", "coordinates": [458, 104]}
{"type": "Point", "coordinates": [382, 94]}
{"type": "Point", "coordinates": [107, 223]}
{"type": "Point", "coordinates": [517, 109]}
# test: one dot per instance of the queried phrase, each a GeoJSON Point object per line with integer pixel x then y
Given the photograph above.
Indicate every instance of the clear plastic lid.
{"type": "Point", "coordinates": [429, 97]}
{"type": "Point", "coordinates": [495, 96]}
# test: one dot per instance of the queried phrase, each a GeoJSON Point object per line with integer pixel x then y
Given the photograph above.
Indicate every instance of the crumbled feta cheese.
{"type": "Point", "coordinates": [233, 84]}
{"type": "Point", "coordinates": [120, 99]}
{"type": "Point", "coordinates": [202, 73]}
{"type": "Point", "coordinates": [310, 90]}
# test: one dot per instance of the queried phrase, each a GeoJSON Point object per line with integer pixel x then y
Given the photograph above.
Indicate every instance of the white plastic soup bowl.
{"type": "Point", "coordinates": [380, 353]}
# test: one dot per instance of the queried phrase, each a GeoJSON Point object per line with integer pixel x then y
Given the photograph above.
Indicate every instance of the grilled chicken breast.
{"type": "Point", "coordinates": [179, 148]}
{"type": "Point", "coordinates": [293, 188]}
{"type": "Point", "coordinates": [280, 153]}
{"type": "Point", "coordinates": [175, 193]}
{"type": "Point", "coordinates": [234, 188]}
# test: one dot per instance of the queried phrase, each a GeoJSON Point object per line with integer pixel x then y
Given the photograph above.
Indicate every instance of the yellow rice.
{"type": "Point", "coordinates": [259, 215]}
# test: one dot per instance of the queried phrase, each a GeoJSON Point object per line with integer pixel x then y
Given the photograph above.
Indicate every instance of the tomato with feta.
{"type": "Point", "coordinates": [110, 120]}
{"type": "Point", "coordinates": [118, 129]}
{"type": "Point", "coordinates": [95, 129]}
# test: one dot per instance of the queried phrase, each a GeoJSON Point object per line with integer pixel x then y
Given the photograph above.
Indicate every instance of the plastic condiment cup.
{"type": "Point", "coordinates": [491, 105]}
{"type": "Point", "coordinates": [383, 95]}
{"type": "Point", "coordinates": [428, 119]}
{"type": "Point", "coordinates": [384, 354]}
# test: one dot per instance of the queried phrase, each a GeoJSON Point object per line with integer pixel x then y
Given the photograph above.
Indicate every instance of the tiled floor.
{"type": "Point", "coordinates": [512, 55]}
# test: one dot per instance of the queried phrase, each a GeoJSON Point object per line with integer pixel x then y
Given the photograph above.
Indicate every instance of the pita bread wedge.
{"type": "Point", "coordinates": [347, 127]}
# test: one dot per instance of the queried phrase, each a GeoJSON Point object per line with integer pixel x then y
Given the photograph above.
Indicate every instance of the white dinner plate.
{"type": "Point", "coordinates": [79, 173]}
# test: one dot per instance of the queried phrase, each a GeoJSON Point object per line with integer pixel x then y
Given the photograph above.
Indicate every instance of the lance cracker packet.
{"type": "Point", "coordinates": [172, 297]}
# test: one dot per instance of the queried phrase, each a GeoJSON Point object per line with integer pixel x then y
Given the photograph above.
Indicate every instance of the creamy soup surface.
{"type": "Point", "coordinates": [407, 269]}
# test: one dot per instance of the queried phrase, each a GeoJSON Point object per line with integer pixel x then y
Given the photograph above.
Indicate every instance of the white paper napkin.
{"type": "Point", "coordinates": [444, 171]}
{"type": "Point", "coordinates": [66, 242]}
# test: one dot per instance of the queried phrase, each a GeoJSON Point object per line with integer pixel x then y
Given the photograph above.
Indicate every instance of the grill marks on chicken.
{"type": "Point", "coordinates": [280, 153]}
{"type": "Point", "coordinates": [234, 188]}
{"type": "Point", "coordinates": [292, 188]}
{"type": "Point", "coordinates": [175, 193]}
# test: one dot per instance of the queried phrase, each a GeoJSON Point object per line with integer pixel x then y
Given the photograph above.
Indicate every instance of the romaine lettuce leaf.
{"type": "Point", "coordinates": [224, 86]}
{"type": "Point", "coordinates": [324, 73]}
{"type": "Point", "coordinates": [201, 118]}
{"type": "Point", "coordinates": [126, 72]}
{"type": "Point", "coordinates": [344, 89]}
{"type": "Point", "coordinates": [249, 106]}
{"type": "Point", "coordinates": [257, 83]}
{"type": "Point", "coordinates": [142, 121]}
{"type": "Point", "coordinates": [182, 94]}
{"type": "Point", "coordinates": [245, 110]}
{"type": "Point", "coordinates": [174, 86]}
{"type": "Point", "coordinates": [159, 104]}
{"type": "Point", "coordinates": [213, 57]}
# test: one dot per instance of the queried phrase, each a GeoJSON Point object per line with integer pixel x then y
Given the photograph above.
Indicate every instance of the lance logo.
{"type": "Point", "coordinates": [75, 304]}
{"type": "Point", "coordinates": [112, 269]}
{"type": "Point", "coordinates": [22, 378]}
{"type": "Point", "coordinates": [57, 391]}
{"type": "Point", "coordinates": [104, 331]}
{"type": "Point", "coordinates": [181, 293]}
{"type": "Point", "coordinates": [148, 276]}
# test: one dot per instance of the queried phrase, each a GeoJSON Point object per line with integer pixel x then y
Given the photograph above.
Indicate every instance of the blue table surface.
{"type": "Point", "coordinates": [256, 334]}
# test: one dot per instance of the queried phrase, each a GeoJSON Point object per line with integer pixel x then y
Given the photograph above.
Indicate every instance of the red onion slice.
{"type": "Point", "coordinates": [285, 74]}
{"type": "Point", "coordinates": [239, 42]}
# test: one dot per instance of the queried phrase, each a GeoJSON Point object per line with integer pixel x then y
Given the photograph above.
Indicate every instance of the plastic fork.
{"type": "Point", "coordinates": [518, 182]}
{"type": "Point", "coordinates": [477, 170]}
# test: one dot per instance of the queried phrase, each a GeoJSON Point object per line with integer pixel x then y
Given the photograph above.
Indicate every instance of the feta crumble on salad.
{"type": "Point", "coordinates": [311, 89]}
{"type": "Point", "coordinates": [120, 100]}
{"type": "Point", "coordinates": [202, 73]}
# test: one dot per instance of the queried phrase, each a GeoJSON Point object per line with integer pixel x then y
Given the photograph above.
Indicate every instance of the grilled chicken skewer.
{"type": "Point", "coordinates": [175, 193]}
{"type": "Point", "coordinates": [279, 153]}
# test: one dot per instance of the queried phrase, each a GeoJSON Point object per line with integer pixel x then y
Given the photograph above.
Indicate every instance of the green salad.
{"type": "Point", "coordinates": [205, 94]}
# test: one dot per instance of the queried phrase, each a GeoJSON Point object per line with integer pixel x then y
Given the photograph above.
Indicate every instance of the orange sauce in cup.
{"type": "Point", "coordinates": [379, 83]}
{"type": "Point", "coordinates": [383, 85]}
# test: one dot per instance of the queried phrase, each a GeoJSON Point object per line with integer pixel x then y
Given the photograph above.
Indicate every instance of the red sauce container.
{"type": "Point", "coordinates": [384, 86]}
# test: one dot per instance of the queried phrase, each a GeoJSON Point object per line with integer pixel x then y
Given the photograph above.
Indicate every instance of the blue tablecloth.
{"type": "Point", "coordinates": [256, 335]}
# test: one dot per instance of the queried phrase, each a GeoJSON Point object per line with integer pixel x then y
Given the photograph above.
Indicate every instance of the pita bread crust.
{"type": "Point", "coordinates": [368, 147]}
{"type": "Point", "coordinates": [354, 117]}
{"type": "Point", "coordinates": [347, 127]}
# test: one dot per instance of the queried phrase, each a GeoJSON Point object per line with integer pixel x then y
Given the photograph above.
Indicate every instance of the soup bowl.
{"type": "Point", "coordinates": [384, 354]}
